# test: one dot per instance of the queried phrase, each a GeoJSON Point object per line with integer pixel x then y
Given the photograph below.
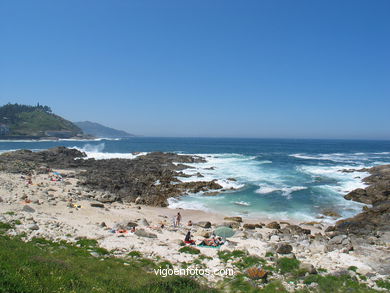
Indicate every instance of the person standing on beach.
{"type": "Point", "coordinates": [178, 219]}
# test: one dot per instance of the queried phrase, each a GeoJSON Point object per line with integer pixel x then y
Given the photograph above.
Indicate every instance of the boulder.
{"type": "Point", "coordinates": [97, 205]}
{"type": "Point", "coordinates": [273, 225]}
{"type": "Point", "coordinates": [145, 222]}
{"type": "Point", "coordinates": [143, 233]}
{"type": "Point", "coordinates": [249, 226]}
{"type": "Point", "coordinates": [204, 224]}
{"type": "Point", "coordinates": [28, 209]}
{"type": "Point", "coordinates": [284, 248]}
{"type": "Point", "coordinates": [233, 219]}
{"type": "Point", "coordinates": [307, 267]}
{"type": "Point", "coordinates": [233, 225]}
{"type": "Point", "coordinates": [32, 227]}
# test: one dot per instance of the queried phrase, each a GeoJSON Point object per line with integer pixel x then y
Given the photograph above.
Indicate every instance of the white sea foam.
{"type": "Point", "coordinates": [285, 191]}
{"type": "Point", "coordinates": [96, 152]}
{"type": "Point", "coordinates": [242, 203]}
{"type": "Point", "coordinates": [347, 181]}
{"type": "Point", "coordinates": [225, 167]}
{"type": "Point", "coordinates": [174, 203]}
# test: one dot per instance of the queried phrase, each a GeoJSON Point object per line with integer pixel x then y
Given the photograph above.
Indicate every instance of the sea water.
{"type": "Point", "coordinates": [273, 178]}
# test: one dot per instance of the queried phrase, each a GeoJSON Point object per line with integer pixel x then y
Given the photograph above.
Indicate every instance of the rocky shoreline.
{"type": "Point", "coordinates": [96, 197]}
{"type": "Point", "coordinates": [147, 179]}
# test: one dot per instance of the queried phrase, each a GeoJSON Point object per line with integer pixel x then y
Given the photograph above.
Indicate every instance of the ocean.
{"type": "Point", "coordinates": [274, 178]}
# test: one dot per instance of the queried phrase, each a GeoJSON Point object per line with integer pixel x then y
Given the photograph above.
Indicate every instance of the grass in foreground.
{"type": "Point", "coordinates": [44, 266]}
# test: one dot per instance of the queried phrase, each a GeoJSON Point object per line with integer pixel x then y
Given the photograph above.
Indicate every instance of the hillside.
{"type": "Point", "coordinates": [98, 130]}
{"type": "Point", "coordinates": [34, 121]}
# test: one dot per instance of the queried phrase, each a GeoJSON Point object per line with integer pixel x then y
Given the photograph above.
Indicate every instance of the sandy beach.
{"type": "Point", "coordinates": [59, 210]}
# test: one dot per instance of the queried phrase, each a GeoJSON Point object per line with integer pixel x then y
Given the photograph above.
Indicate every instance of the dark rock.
{"type": "Point", "coordinates": [359, 195]}
{"type": "Point", "coordinates": [251, 226]}
{"type": "Point", "coordinates": [28, 209]}
{"type": "Point", "coordinates": [233, 219]}
{"type": "Point", "coordinates": [97, 205]}
{"type": "Point", "coordinates": [143, 233]}
{"type": "Point", "coordinates": [284, 248]}
{"type": "Point", "coordinates": [204, 224]}
{"type": "Point", "coordinates": [233, 225]}
{"type": "Point", "coordinates": [295, 230]}
{"type": "Point", "coordinates": [273, 225]}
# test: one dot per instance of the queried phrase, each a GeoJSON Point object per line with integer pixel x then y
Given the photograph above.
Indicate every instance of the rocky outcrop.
{"type": "Point", "coordinates": [148, 179]}
{"type": "Point", "coordinates": [375, 219]}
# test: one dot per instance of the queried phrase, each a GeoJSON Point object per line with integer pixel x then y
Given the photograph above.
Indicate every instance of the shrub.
{"type": "Point", "coordinates": [189, 250]}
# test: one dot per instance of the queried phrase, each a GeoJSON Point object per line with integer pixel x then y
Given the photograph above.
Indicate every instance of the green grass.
{"type": "Point", "coordinates": [239, 284]}
{"type": "Point", "coordinates": [383, 284]}
{"type": "Point", "coordinates": [287, 265]}
{"type": "Point", "coordinates": [10, 213]}
{"type": "Point", "coordinates": [84, 242]}
{"type": "Point", "coordinates": [352, 268]}
{"type": "Point", "coordinates": [4, 227]}
{"type": "Point", "coordinates": [44, 266]}
{"type": "Point", "coordinates": [135, 253]}
{"type": "Point", "coordinates": [337, 284]}
{"type": "Point", "coordinates": [226, 255]}
{"type": "Point", "coordinates": [189, 250]}
{"type": "Point", "coordinates": [249, 261]}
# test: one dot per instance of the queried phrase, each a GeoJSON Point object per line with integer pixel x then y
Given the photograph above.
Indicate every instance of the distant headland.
{"type": "Point", "coordinates": [19, 122]}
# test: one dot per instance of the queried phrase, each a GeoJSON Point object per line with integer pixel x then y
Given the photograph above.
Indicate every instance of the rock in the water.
{"type": "Point", "coordinates": [28, 209]}
{"type": "Point", "coordinates": [143, 233]}
{"type": "Point", "coordinates": [204, 224]}
{"type": "Point", "coordinates": [284, 248]}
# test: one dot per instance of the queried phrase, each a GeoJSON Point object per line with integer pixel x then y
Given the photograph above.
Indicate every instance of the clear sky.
{"type": "Point", "coordinates": [304, 69]}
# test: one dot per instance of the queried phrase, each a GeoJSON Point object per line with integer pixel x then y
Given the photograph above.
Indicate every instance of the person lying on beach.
{"type": "Point", "coordinates": [188, 239]}
{"type": "Point", "coordinates": [214, 241]}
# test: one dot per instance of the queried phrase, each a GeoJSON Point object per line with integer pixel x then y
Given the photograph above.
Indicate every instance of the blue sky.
{"type": "Point", "coordinates": [304, 69]}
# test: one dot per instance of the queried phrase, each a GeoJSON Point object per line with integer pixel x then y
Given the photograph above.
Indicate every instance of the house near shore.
{"type": "Point", "coordinates": [4, 130]}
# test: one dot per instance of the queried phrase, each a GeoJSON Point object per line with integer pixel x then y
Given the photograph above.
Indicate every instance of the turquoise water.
{"type": "Point", "coordinates": [274, 178]}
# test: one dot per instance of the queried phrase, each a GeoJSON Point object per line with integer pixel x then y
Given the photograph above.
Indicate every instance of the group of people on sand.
{"type": "Point", "coordinates": [214, 241]}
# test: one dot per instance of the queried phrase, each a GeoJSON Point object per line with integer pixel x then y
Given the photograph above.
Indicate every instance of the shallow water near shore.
{"type": "Point", "coordinates": [272, 178]}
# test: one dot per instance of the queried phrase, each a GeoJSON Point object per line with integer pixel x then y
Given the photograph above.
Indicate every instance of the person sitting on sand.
{"type": "Point", "coordinates": [188, 239]}
{"type": "Point", "coordinates": [189, 223]}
